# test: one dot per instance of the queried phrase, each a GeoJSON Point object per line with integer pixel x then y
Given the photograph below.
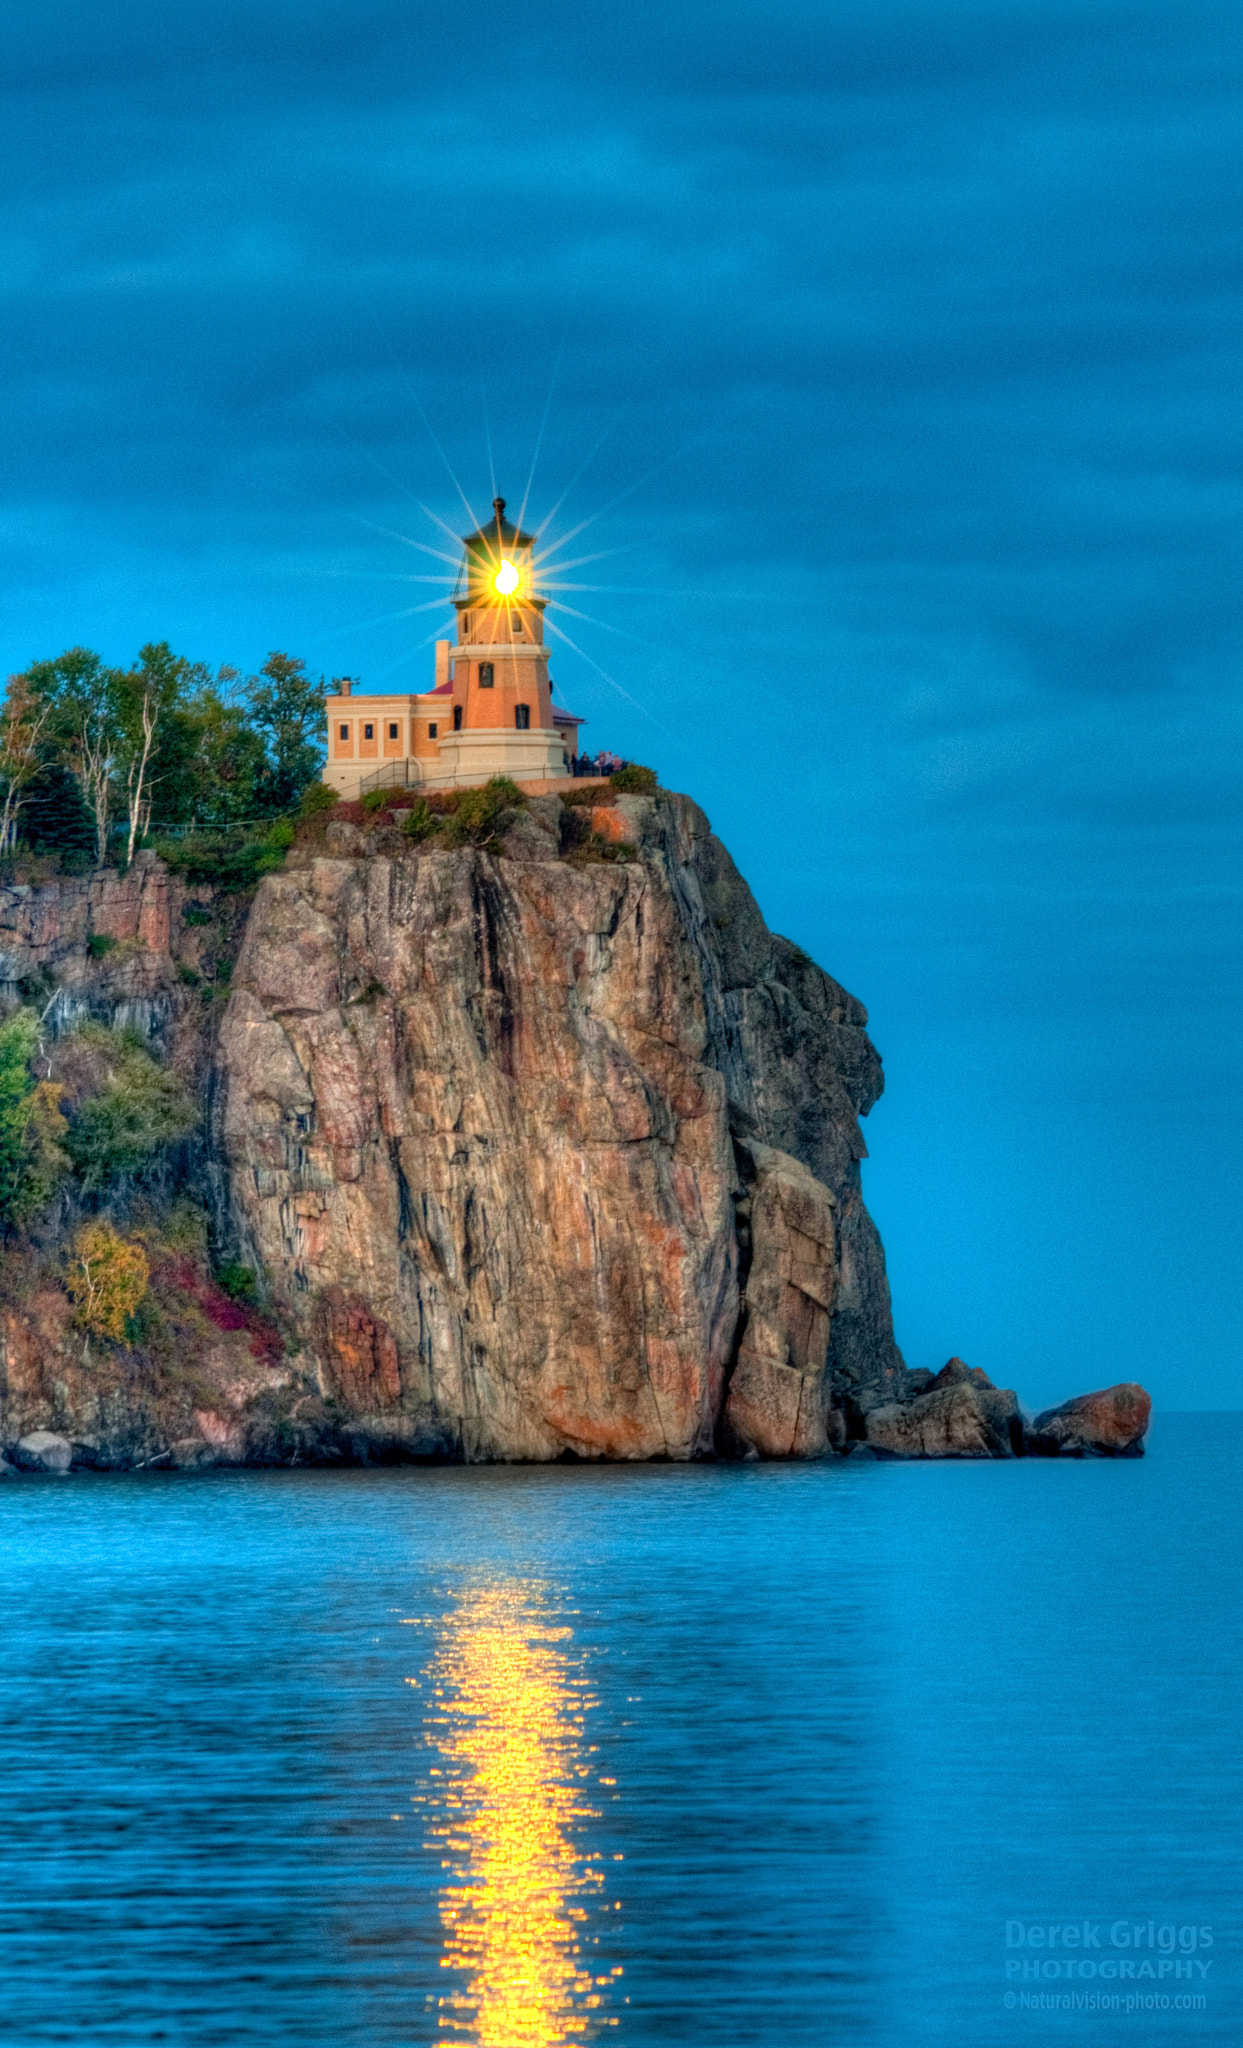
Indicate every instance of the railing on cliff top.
{"type": "Point", "coordinates": [393, 775]}
{"type": "Point", "coordinates": [200, 828]}
{"type": "Point", "coordinates": [409, 774]}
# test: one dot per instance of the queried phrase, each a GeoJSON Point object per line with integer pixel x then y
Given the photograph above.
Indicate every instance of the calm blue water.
{"type": "Point", "coordinates": [710, 1755]}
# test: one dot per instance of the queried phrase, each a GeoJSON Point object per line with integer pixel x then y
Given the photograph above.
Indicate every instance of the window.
{"type": "Point", "coordinates": [485, 675]}
{"type": "Point", "coordinates": [457, 718]}
{"type": "Point", "coordinates": [369, 732]}
{"type": "Point", "coordinates": [392, 732]}
{"type": "Point", "coordinates": [466, 622]}
{"type": "Point", "coordinates": [432, 730]}
{"type": "Point", "coordinates": [344, 731]}
{"type": "Point", "coordinates": [522, 717]}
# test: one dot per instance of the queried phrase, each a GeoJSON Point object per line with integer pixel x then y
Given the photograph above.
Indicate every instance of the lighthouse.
{"type": "Point", "coordinates": [490, 710]}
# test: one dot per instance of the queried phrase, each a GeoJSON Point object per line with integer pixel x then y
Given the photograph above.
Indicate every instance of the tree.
{"type": "Point", "coordinates": [21, 725]}
{"type": "Point", "coordinates": [287, 708]}
{"type": "Point", "coordinates": [31, 1125]}
{"type": "Point", "coordinates": [223, 755]}
{"type": "Point", "coordinates": [165, 738]}
{"type": "Point", "coordinates": [144, 700]}
{"type": "Point", "coordinates": [80, 695]}
{"type": "Point", "coordinates": [54, 818]}
{"type": "Point", "coordinates": [108, 1279]}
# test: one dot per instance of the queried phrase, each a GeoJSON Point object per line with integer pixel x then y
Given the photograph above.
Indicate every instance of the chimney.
{"type": "Point", "coordinates": [342, 685]}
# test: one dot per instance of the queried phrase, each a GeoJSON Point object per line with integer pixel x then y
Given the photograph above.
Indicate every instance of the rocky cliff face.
{"type": "Point", "coordinates": [541, 1156]}
{"type": "Point", "coordinates": [541, 1148]}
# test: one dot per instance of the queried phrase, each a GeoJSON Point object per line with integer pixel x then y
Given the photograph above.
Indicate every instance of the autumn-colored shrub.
{"type": "Point", "coordinates": [107, 1279]}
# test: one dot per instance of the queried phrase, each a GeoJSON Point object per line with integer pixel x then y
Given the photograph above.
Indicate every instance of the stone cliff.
{"type": "Point", "coordinates": [534, 1147]}
{"type": "Point", "coordinates": [545, 1156]}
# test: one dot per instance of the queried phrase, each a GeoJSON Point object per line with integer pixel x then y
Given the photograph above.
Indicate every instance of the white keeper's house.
{"type": "Point", "coordinates": [490, 711]}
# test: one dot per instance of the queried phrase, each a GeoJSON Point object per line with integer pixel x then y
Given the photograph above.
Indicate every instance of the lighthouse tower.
{"type": "Point", "coordinates": [491, 711]}
{"type": "Point", "coordinates": [500, 663]}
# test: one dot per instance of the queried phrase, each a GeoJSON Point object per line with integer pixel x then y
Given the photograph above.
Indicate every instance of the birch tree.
{"type": "Point", "coordinates": [138, 767]}
{"type": "Point", "coordinates": [21, 726]}
{"type": "Point", "coordinates": [80, 695]}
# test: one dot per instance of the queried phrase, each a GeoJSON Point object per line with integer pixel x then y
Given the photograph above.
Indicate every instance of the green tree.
{"type": "Point", "coordinates": [54, 818]}
{"type": "Point", "coordinates": [31, 1125]}
{"type": "Point", "coordinates": [80, 695]}
{"type": "Point", "coordinates": [287, 709]}
{"type": "Point", "coordinates": [146, 702]}
{"type": "Point", "coordinates": [226, 763]}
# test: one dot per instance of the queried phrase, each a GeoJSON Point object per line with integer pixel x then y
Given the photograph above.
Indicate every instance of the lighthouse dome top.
{"type": "Point", "coordinates": [499, 533]}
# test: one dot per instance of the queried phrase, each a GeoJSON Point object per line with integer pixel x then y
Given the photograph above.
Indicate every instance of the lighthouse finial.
{"type": "Point", "coordinates": [498, 506]}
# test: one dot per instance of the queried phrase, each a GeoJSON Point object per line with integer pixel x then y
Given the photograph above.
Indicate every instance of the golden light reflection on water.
{"type": "Point", "coordinates": [510, 1810]}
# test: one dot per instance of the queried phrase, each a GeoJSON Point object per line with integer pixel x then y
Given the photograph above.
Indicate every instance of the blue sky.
{"type": "Point", "coordinates": [908, 343]}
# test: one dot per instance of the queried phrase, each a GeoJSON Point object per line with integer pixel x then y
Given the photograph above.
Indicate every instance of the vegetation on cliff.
{"type": "Point", "coordinates": [91, 756]}
{"type": "Point", "coordinates": [31, 1126]}
{"type": "Point", "coordinates": [120, 1316]}
{"type": "Point", "coordinates": [124, 1108]}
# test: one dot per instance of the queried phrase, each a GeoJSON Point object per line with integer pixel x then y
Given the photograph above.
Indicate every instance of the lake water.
{"type": "Point", "coordinates": [719, 1754]}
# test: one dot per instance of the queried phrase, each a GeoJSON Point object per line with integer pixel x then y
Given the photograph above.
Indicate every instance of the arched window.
{"type": "Point", "coordinates": [522, 717]}
{"type": "Point", "coordinates": [457, 718]}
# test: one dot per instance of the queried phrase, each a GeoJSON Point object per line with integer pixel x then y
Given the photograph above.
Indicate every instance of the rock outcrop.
{"type": "Point", "coordinates": [776, 1405]}
{"type": "Point", "coordinates": [42, 1451]}
{"type": "Point", "coordinates": [479, 1108]}
{"type": "Point", "coordinates": [95, 946]}
{"type": "Point", "coordinates": [1108, 1424]}
{"type": "Point", "coordinates": [957, 1414]}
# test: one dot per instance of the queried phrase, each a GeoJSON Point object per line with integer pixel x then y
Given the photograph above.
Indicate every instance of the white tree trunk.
{"type": "Point", "coordinates": [97, 760]}
{"type": "Point", "coordinates": [135, 781]}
